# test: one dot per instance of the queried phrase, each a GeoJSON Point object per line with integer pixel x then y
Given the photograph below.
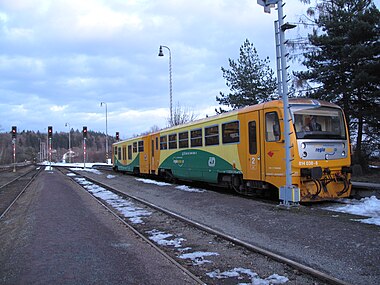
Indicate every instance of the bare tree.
{"type": "Point", "coordinates": [181, 115]}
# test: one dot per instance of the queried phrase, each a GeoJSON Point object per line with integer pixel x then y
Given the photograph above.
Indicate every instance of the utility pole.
{"type": "Point", "coordinates": [289, 194]}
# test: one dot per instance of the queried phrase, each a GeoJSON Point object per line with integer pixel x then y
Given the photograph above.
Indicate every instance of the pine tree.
{"type": "Point", "coordinates": [250, 79]}
{"type": "Point", "coordinates": [343, 63]}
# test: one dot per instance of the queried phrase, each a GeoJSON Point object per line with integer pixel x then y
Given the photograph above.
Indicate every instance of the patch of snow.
{"type": "Point", "coordinates": [71, 174]}
{"type": "Point", "coordinates": [87, 169]}
{"type": "Point", "coordinates": [149, 181]}
{"type": "Point", "coordinates": [198, 257]}
{"type": "Point", "coordinates": [161, 238]}
{"type": "Point", "coordinates": [367, 207]}
{"type": "Point", "coordinates": [109, 176]}
{"type": "Point", "coordinates": [189, 189]}
{"type": "Point", "coordinates": [48, 168]}
{"type": "Point", "coordinates": [255, 278]}
{"type": "Point", "coordinates": [125, 207]}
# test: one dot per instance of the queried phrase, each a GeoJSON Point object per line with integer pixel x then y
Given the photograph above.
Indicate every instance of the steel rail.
{"type": "Point", "coordinates": [17, 178]}
{"type": "Point", "coordinates": [275, 256]}
{"type": "Point", "coordinates": [135, 231]}
{"type": "Point", "coordinates": [21, 192]}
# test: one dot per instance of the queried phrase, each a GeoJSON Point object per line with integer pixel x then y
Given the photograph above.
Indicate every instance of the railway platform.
{"type": "Point", "coordinates": [59, 235]}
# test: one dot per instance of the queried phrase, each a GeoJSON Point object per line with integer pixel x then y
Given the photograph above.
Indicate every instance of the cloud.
{"type": "Point", "coordinates": [61, 58]}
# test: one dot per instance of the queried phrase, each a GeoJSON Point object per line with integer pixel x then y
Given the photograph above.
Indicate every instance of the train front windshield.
{"type": "Point", "coordinates": [315, 122]}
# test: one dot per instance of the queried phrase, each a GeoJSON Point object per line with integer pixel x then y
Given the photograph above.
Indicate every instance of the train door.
{"type": "Point", "coordinates": [144, 150]}
{"type": "Point", "coordinates": [253, 161]}
{"type": "Point", "coordinates": [155, 153]}
{"type": "Point", "coordinates": [274, 152]}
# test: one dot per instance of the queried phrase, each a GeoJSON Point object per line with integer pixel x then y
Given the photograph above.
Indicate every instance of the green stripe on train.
{"type": "Point", "coordinates": [197, 165]}
{"type": "Point", "coordinates": [128, 167]}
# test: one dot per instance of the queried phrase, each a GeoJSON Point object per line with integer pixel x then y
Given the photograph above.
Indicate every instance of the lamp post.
{"type": "Point", "coordinates": [288, 189]}
{"type": "Point", "coordinates": [68, 125]}
{"type": "Point", "coordinates": [105, 104]}
{"type": "Point", "coordinates": [160, 53]}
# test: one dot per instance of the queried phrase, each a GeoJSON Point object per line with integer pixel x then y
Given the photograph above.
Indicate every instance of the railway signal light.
{"type": "Point", "coordinates": [117, 136]}
{"type": "Point", "coordinates": [85, 132]}
{"type": "Point", "coordinates": [50, 132]}
{"type": "Point", "coordinates": [14, 132]}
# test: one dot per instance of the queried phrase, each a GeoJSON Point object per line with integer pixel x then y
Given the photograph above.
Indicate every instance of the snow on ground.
{"type": "Point", "coordinates": [161, 238]}
{"type": "Point", "coordinates": [77, 164]}
{"type": "Point", "coordinates": [255, 278]}
{"type": "Point", "coordinates": [189, 189]}
{"type": "Point", "coordinates": [125, 207]}
{"type": "Point", "coordinates": [87, 169]}
{"type": "Point", "coordinates": [180, 187]}
{"type": "Point", "coordinates": [109, 176]}
{"type": "Point", "coordinates": [198, 257]}
{"type": "Point", "coordinates": [367, 207]}
{"type": "Point", "coordinates": [149, 181]}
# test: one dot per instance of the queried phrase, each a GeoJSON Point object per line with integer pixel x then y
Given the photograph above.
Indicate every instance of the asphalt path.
{"type": "Point", "coordinates": [58, 234]}
{"type": "Point", "coordinates": [328, 241]}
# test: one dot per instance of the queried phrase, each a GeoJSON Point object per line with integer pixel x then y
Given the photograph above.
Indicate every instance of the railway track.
{"type": "Point", "coordinates": [139, 234]}
{"type": "Point", "coordinates": [13, 186]}
{"type": "Point", "coordinates": [226, 256]}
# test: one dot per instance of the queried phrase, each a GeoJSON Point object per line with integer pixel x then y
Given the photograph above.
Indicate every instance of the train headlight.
{"type": "Point", "coordinates": [343, 145]}
{"type": "Point", "coordinates": [343, 153]}
{"type": "Point", "coordinates": [303, 145]}
{"type": "Point", "coordinates": [326, 156]}
{"type": "Point", "coordinates": [304, 154]}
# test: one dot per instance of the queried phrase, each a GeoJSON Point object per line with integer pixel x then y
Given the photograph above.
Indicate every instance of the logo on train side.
{"type": "Point", "coordinates": [211, 161]}
{"type": "Point", "coordinates": [179, 161]}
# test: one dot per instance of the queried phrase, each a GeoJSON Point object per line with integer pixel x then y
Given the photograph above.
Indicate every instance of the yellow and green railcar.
{"type": "Point", "coordinates": [244, 149]}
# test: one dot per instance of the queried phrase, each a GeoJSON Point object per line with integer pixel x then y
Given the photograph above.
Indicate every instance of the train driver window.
{"type": "Point", "coordinates": [272, 127]}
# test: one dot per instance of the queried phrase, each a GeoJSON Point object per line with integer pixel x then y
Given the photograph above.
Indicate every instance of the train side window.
{"type": "Point", "coordinates": [115, 150]}
{"type": "Point", "coordinates": [212, 135]}
{"type": "Point", "coordinates": [196, 138]}
{"type": "Point", "coordinates": [124, 152]}
{"type": "Point", "coordinates": [272, 127]}
{"type": "Point", "coordinates": [119, 153]}
{"type": "Point", "coordinates": [157, 143]}
{"type": "Point", "coordinates": [231, 132]}
{"type": "Point", "coordinates": [163, 142]}
{"type": "Point", "coordinates": [183, 139]}
{"type": "Point", "coordinates": [129, 152]}
{"type": "Point", "coordinates": [141, 146]}
{"type": "Point", "coordinates": [173, 141]}
{"type": "Point", "coordinates": [252, 137]}
{"type": "Point", "coordinates": [134, 147]}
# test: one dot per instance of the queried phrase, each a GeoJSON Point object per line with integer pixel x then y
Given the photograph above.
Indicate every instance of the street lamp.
{"type": "Point", "coordinates": [101, 104]}
{"type": "Point", "coordinates": [68, 125]}
{"type": "Point", "coordinates": [160, 53]}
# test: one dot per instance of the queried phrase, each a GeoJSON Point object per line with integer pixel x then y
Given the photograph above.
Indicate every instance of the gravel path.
{"type": "Point", "coordinates": [58, 234]}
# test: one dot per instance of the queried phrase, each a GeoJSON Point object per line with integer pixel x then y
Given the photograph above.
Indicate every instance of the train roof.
{"type": "Point", "coordinates": [247, 109]}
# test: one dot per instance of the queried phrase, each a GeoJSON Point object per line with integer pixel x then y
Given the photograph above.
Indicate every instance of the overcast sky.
{"type": "Point", "coordinates": [60, 59]}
